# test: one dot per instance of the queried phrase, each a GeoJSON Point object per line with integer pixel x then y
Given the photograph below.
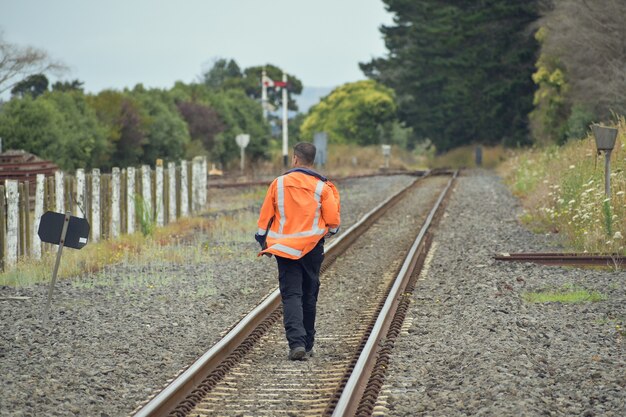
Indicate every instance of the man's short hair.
{"type": "Point", "coordinates": [305, 152]}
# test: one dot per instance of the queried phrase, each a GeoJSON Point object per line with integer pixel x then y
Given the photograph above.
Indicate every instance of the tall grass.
{"type": "Point", "coordinates": [562, 189]}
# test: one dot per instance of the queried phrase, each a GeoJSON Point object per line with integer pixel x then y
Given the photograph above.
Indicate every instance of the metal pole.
{"type": "Point", "coordinates": [285, 133]}
{"type": "Point", "coordinates": [607, 173]}
{"type": "Point", "coordinates": [264, 94]}
{"type": "Point", "coordinates": [56, 266]}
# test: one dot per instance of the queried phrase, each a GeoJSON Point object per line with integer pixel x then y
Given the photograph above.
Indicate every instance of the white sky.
{"type": "Point", "coordinates": [119, 43]}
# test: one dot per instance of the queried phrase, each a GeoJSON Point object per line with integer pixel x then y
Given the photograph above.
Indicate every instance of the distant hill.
{"type": "Point", "coordinates": [311, 96]}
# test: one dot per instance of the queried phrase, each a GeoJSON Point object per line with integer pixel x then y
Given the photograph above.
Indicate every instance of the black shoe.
{"type": "Point", "coordinates": [297, 353]}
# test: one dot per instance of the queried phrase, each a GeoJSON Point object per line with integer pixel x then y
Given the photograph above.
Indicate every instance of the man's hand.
{"type": "Point", "coordinates": [261, 239]}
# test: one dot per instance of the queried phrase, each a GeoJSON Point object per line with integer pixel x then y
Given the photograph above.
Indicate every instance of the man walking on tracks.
{"type": "Point", "coordinates": [301, 207]}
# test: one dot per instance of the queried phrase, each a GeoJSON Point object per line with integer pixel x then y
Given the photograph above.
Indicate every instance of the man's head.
{"type": "Point", "coordinates": [303, 154]}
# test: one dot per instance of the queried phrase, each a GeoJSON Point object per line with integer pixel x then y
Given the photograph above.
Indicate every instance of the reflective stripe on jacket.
{"type": "Point", "coordinates": [301, 208]}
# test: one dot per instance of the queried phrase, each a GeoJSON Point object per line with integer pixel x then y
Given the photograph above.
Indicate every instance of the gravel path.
{"type": "Point", "coordinates": [474, 347]}
{"type": "Point", "coordinates": [117, 335]}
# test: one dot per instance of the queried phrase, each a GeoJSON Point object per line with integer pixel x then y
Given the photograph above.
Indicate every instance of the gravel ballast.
{"type": "Point", "coordinates": [473, 346]}
{"type": "Point", "coordinates": [116, 336]}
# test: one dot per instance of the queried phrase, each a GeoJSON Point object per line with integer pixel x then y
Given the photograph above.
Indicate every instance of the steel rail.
{"type": "Point", "coordinates": [353, 390]}
{"type": "Point", "coordinates": [338, 179]}
{"type": "Point", "coordinates": [176, 391]}
{"type": "Point", "coordinates": [565, 259]}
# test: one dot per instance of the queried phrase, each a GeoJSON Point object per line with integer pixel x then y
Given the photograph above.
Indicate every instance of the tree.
{"type": "Point", "coordinates": [238, 113]}
{"type": "Point", "coordinates": [74, 85]}
{"type": "Point", "coordinates": [56, 126]}
{"type": "Point", "coordinates": [222, 73]}
{"type": "Point", "coordinates": [166, 131]}
{"type": "Point", "coordinates": [203, 122]}
{"type": "Point", "coordinates": [126, 128]}
{"type": "Point", "coordinates": [226, 75]}
{"type": "Point", "coordinates": [588, 38]}
{"type": "Point", "coordinates": [460, 69]}
{"type": "Point", "coordinates": [34, 85]}
{"type": "Point", "coordinates": [353, 113]}
{"type": "Point", "coordinates": [17, 63]}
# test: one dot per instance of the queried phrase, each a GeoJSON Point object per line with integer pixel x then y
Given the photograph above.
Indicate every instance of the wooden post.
{"type": "Point", "coordinates": [80, 210]}
{"type": "Point", "coordinates": [146, 192]}
{"type": "Point", "coordinates": [171, 200]}
{"type": "Point", "coordinates": [21, 236]}
{"type": "Point", "coordinates": [59, 192]}
{"type": "Point", "coordinates": [68, 194]}
{"type": "Point", "coordinates": [196, 184]}
{"type": "Point", "coordinates": [3, 227]}
{"type": "Point", "coordinates": [205, 182]}
{"type": "Point", "coordinates": [130, 200]}
{"type": "Point", "coordinates": [39, 203]}
{"type": "Point", "coordinates": [123, 201]}
{"type": "Point", "coordinates": [50, 203]}
{"type": "Point", "coordinates": [184, 190]}
{"type": "Point", "coordinates": [115, 202]}
{"type": "Point", "coordinates": [95, 205]}
{"type": "Point", "coordinates": [27, 234]}
{"type": "Point", "coordinates": [12, 222]}
{"type": "Point", "coordinates": [158, 193]}
{"type": "Point", "coordinates": [105, 208]}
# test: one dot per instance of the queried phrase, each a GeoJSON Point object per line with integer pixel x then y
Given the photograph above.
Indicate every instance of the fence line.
{"type": "Point", "coordinates": [108, 201]}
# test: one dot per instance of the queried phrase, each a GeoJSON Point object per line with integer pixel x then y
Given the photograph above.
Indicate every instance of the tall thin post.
{"type": "Point", "coordinates": [41, 179]}
{"type": "Point", "coordinates": [285, 133]}
{"type": "Point", "coordinates": [158, 193]}
{"type": "Point", "coordinates": [56, 266]}
{"type": "Point", "coordinates": [130, 200]}
{"type": "Point", "coordinates": [12, 222]}
{"type": "Point", "coordinates": [184, 190]}
{"type": "Point", "coordinates": [59, 191]}
{"type": "Point", "coordinates": [171, 200]}
{"type": "Point", "coordinates": [607, 173]}
{"type": "Point", "coordinates": [95, 204]}
{"type": "Point", "coordinates": [264, 93]}
{"type": "Point", "coordinates": [115, 202]}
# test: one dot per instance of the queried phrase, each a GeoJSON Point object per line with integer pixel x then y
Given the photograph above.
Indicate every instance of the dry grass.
{"type": "Point", "coordinates": [562, 190]}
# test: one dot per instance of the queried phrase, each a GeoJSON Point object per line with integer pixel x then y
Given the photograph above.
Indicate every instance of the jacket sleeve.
{"type": "Point", "coordinates": [267, 210]}
{"type": "Point", "coordinates": [331, 207]}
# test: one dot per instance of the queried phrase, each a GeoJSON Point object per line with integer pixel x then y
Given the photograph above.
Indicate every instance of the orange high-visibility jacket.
{"type": "Point", "coordinates": [302, 206]}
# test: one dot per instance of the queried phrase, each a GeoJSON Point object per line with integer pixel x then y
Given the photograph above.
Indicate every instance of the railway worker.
{"type": "Point", "coordinates": [301, 207]}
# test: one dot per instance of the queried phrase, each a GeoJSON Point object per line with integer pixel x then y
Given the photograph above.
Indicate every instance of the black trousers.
{"type": "Point", "coordinates": [299, 282]}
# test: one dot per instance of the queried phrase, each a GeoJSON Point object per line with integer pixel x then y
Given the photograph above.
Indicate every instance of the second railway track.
{"type": "Point", "coordinates": [263, 382]}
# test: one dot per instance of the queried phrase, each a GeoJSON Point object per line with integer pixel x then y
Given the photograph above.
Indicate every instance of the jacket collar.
{"type": "Point", "coordinates": [308, 172]}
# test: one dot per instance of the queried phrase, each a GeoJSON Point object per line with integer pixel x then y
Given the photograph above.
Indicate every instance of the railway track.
{"type": "Point", "coordinates": [247, 373]}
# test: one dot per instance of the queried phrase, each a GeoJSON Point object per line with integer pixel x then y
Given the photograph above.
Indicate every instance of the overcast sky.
{"type": "Point", "coordinates": [119, 43]}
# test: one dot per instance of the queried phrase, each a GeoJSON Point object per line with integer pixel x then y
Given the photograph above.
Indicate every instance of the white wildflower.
{"type": "Point", "coordinates": [620, 193]}
{"type": "Point", "coordinates": [560, 201]}
{"type": "Point", "coordinates": [571, 202]}
{"type": "Point", "coordinates": [618, 235]}
{"type": "Point", "coordinates": [572, 166]}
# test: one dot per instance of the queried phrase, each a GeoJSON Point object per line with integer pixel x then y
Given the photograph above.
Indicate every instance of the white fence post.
{"type": "Point", "coordinates": [146, 191]}
{"type": "Point", "coordinates": [205, 182]}
{"type": "Point", "coordinates": [196, 184]}
{"type": "Point", "coordinates": [171, 200]}
{"type": "Point", "coordinates": [115, 202]}
{"type": "Point", "coordinates": [80, 193]}
{"type": "Point", "coordinates": [36, 242]}
{"type": "Point", "coordinates": [158, 193]}
{"type": "Point", "coordinates": [130, 200]}
{"type": "Point", "coordinates": [184, 189]}
{"type": "Point", "coordinates": [59, 192]}
{"type": "Point", "coordinates": [95, 204]}
{"type": "Point", "coordinates": [12, 221]}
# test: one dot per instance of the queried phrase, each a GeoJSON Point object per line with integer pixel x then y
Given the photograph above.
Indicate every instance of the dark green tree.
{"type": "Point", "coordinates": [223, 74]}
{"type": "Point", "coordinates": [33, 85]}
{"type": "Point", "coordinates": [461, 69]}
{"type": "Point", "coordinates": [74, 85]}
